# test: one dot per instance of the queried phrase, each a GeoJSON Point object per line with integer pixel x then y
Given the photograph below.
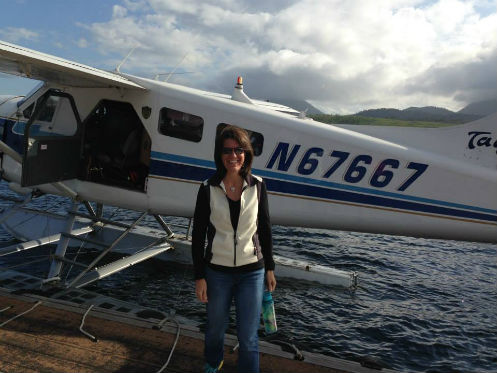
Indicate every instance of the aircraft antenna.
{"type": "Point", "coordinates": [125, 58]}
{"type": "Point", "coordinates": [157, 76]}
{"type": "Point", "coordinates": [180, 62]}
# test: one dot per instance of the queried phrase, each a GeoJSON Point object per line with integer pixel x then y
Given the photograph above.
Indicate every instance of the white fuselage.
{"type": "Point", "coordinates": [438, 183]}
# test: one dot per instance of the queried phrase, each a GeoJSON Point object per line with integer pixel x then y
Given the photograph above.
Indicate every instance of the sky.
{"type": "Point", "coordinates": [341, 56]}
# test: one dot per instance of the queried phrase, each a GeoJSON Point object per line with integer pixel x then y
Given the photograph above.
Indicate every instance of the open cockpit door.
{"type": "Point", "coordinates": [52, 140]}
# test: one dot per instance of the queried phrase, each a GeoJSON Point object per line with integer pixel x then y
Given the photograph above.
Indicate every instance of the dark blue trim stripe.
{"type": "Point", "coordinates": [180, 167]}
{"type": "Point", "coordinates": [352, 188]}
{"type": "Point", "coordinates": [329, 184]}
{"type": "Point", "coordinates": [357, 198]}
{"type": "Point", "coordinates": [183, 159]}
{"type": "Point", "coordinates": [179, 171]}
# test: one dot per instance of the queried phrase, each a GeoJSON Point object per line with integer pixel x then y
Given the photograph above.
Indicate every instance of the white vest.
{"type": "Point", "coordinates": [229, 248]}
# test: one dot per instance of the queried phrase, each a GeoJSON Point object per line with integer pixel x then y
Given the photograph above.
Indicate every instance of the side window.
{"type": "Point", "coordinates": [55, 118]}
{"type": "Point", "coordinates": [180, 125]}
{"type": "Point", "coordinates": [28, 111]}
{"type": "Point", "coordinates": [48, 110]}
{"type": "Point", "coordinates": [256, 138]}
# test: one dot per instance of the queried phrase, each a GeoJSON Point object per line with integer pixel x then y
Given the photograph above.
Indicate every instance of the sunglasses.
{"type": "Point", "coordinates": [238, 150]}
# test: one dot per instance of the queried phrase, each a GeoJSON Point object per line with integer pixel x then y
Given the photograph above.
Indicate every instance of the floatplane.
{"type": "Point", "coordinates": [110, 138]}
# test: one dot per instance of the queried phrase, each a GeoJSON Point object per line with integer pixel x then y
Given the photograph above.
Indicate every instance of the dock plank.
{"type": "Point", "coordinates": [48, 339]}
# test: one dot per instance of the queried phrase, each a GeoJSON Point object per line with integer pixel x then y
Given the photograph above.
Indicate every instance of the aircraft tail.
{"type": "Point", "coordinates": [474, 142]}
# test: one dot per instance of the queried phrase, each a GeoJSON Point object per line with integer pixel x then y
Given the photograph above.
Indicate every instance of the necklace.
{"type": "Point", "coordinates": [232, 188]}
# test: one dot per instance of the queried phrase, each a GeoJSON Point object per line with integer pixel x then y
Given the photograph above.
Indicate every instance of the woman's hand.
{"type": "Point", "coordinates": [270, 280]}
{"type": "Point", "coordinates": [201, 290]}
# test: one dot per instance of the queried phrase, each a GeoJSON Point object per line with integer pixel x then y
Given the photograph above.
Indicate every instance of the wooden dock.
{"type": "Point", "coordinates": [47, 339]}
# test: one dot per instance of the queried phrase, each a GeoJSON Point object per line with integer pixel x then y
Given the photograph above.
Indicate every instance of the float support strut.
{"type": "Point", "coordinates": [56, 265]}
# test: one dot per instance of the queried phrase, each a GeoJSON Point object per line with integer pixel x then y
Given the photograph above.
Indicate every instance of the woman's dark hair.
{"type": "Point", "coordinates": [239, 135]}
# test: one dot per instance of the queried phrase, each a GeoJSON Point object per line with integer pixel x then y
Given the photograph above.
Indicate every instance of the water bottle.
{"type": "Point", "coordinates": [268, 314]}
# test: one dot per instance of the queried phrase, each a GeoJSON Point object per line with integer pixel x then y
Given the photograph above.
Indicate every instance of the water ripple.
{"type": "Point", "coordinates": [422, 305]}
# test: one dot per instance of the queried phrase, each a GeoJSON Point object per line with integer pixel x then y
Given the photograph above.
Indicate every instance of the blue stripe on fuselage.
{"type": "Point", "coordinates": [193, 169]}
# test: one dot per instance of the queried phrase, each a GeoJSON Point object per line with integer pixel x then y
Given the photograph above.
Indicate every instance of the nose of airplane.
{"type": "Point", "coordinates": [9, 105]}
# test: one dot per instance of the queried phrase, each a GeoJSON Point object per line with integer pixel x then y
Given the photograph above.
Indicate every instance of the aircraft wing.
{"type": "Point", "coordinates": [28, 63]}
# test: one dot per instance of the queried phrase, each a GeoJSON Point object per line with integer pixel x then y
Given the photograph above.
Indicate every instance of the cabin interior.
{"type": "Point", "coordinates": [116, 146]}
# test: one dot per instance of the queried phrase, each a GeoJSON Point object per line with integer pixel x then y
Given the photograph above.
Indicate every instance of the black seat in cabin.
{"type": "Point", "coordinates": [114, 134]}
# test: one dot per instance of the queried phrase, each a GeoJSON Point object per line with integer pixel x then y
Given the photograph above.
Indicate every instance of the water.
{"type": "Point", "coordinates": [421, 305]}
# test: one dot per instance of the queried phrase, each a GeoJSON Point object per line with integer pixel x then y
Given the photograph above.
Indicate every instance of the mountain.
{"type": "Point", "coordinates": [469, 113]}
{"type": "Point", "coordinates": [427, 113]}
{"type": "Point", "coordinates": [482, 108]}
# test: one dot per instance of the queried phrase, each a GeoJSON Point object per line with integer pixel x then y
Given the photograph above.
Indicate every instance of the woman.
{"type": "Point", "coordinates": [232, 212]}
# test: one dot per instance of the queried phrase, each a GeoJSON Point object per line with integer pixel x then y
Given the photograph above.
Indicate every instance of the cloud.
{"type": "Point", "coordinates": [136, 5]}
{"type": "Point", "coordinates": [82, 43]}
{"type": "Point", "coordinates": [345, 56]}
{"type": "Point", "coordinates": [17, 34]}
{"type": "Point", "coordinates": [470, 81]}
{"type": "Point", "coordinates": [119, 11]}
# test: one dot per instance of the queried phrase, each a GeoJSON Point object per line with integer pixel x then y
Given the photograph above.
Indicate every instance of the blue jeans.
{"type": "Point", "coordinates": [247, 289]}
